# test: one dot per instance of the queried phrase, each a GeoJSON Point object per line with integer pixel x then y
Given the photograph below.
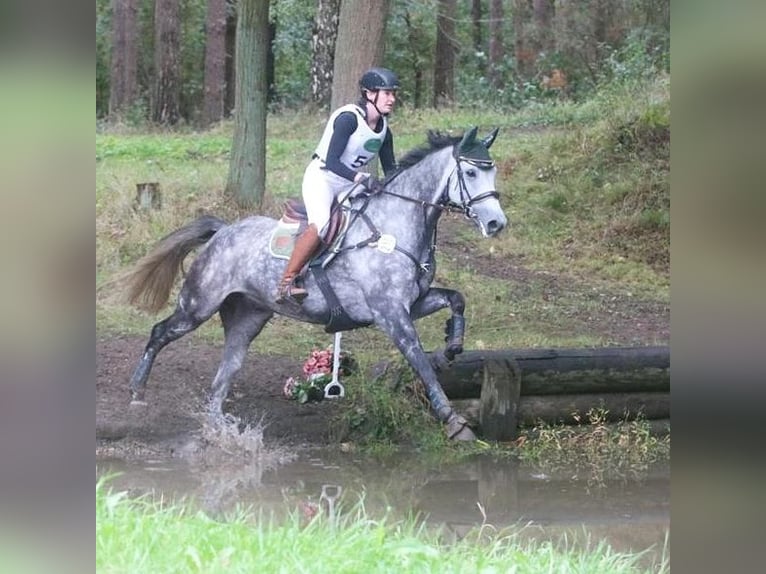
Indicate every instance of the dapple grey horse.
{"type": "Point", "coordinates": [379, 273]}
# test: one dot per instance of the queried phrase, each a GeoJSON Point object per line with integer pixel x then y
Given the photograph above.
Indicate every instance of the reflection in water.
{"type": "Point", "coordinates": [631, 516]}
{"type": "Point", "coordinates": [330, 495]}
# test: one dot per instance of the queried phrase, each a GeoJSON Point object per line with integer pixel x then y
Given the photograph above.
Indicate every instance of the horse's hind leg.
{"type": "Point", "coordinates": [242, 321]}
{"type": "Point", "coordinates": [436, 299]}
{"type": "Point", "coordinates": [166, 331]}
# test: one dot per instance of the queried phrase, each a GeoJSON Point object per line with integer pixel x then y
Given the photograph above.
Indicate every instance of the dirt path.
{"type": "Point", "coordinates": [179, 381]}
{"type": "Point", "coordinates": [183, 371]}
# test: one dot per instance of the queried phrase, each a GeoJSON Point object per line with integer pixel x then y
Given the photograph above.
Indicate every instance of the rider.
{"type": "Point", "coordinates": [353, 136]}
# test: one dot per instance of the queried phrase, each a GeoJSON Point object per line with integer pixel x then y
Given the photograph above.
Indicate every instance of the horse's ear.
{"type": "Point", "coordinates": [468, 138]}
{"type": "Point", "coordinates": [490, 139]}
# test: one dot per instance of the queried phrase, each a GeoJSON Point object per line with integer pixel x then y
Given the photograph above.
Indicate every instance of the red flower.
{"type": "Point", "coordinates": [320, 362]}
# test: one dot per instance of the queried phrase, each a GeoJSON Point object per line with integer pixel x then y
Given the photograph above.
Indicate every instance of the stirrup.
{"type": "Point", "coordinates": [290, 291]}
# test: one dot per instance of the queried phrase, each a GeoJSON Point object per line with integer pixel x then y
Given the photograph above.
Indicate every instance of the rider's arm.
{"type": "Point", "coordinates": [343, 127]}
{"type": "Point", "coordinates": [387, 160]}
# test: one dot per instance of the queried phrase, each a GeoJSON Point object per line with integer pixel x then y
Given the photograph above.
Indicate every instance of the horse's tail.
{"type": "Point", "coordinates": [148, 283]}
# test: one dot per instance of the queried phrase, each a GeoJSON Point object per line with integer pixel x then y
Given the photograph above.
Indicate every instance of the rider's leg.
{"type": "Point", "coordinates": [318, 194]}
{"type": "Point", "coordinates": [305, 246]}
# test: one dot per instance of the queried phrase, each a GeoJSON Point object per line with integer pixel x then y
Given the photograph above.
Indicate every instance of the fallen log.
{"type": "Point", "coordinates": [566, 409]}
{"type": "Point", "coordinates": [563, 371]}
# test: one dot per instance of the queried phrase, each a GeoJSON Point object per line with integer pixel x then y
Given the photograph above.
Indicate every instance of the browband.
{"type": "Point", "coordinates": [480, 163]}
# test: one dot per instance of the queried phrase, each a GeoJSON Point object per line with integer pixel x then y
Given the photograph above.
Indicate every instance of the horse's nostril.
{"type": "Point", "coordinates": [494, 227]}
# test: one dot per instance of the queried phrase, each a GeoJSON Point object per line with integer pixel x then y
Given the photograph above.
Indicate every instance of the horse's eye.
{"type": "Point", "coordinates": [471, 173]}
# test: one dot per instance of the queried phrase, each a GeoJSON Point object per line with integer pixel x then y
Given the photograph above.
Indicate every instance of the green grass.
{"type": "Point", "coordinates": [594, 449]}
{"type": "Point", "coordinates": [135, 536]}
{"type": "Point", "coordinates": [585, 187]}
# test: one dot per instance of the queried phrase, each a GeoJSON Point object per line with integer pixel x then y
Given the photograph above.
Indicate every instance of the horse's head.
{"type": "Point", "coordinates": [473, 190]}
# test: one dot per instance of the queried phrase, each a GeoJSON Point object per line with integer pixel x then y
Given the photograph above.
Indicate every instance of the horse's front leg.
{"type": "Point", "coordinates": [436, 299]}
{"type": "Point", "coordinates": [397, 324]}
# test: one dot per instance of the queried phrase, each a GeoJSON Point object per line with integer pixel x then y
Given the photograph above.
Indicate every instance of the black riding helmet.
{"type": "Point", "coordinates": [376, 79]}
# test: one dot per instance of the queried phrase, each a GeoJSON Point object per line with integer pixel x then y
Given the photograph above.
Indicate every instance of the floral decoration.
{"type": "Point", "coordinates": [317, 372]}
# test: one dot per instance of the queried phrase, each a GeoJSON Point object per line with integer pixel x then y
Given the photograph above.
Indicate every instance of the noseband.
{"type": "Point", "coordinates": [466, 201]}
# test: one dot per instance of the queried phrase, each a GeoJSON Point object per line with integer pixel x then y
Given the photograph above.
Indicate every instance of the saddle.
{"type": "Point", "coordinates": [294, 222]}
{"type": "Point", "coordinates": [290, 226]}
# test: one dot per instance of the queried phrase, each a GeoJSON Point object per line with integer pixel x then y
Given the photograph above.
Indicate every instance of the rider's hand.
{"type": "Point", "coordinates": [372, 184]}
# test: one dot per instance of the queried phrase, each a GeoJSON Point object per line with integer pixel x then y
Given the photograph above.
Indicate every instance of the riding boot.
{"type": "Point", "coordinates": [305, 246]}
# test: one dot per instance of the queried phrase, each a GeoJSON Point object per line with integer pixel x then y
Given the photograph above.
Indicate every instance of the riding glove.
{"type": "Point", "coordinates": [372, 184]}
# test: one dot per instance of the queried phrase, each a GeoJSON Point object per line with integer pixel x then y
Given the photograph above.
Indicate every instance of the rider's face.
{"type": "Point", "coordinates": [385, 100]}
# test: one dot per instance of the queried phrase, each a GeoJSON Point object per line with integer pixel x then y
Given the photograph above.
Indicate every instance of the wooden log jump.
{"type": "Point", "coordinates": [511, 388]}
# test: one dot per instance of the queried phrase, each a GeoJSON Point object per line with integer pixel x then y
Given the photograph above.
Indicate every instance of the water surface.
{"type": "Point", "coordinates": [631, 515]}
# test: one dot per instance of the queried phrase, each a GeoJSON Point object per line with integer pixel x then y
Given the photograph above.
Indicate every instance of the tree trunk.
{"type": "Point", "coordinates": [247, 168]}
{"type": "Point", "coordinates": [599, 18]}
{"type": "Point", "coordinates": [271, 63]}
{"type": "Point", "coordinates": [123, 85]}
{"type": "Point", "coordinates": [165, 103]}
{"type": "Point", "coordinates": [476, 36]}
{"type": "Point", "coordinates": [522, 45]}
{"type": "Point", "coordinates": [231, 51]}
{"type": "Point", "coordinates": [323, 40]}
{"type": "Point", "coordinates": [543, 18]}
{"type": "Point", "coordinates": [361, 30]}
{"type": "Point", "coordinates": [215, 62]}
{"type": "Point", "coordinates": [496, 46]}
{"type": "Point", "coordinates": [603, 14]}
{"type": "Point", "coordinates": [444, 67]}
{"type": "Point", "coordinates": [415, 59]}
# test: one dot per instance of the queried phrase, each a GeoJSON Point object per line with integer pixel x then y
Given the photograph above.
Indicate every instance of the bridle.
{"type": "Point", "coordinates": [443, 204]}
{"type": "Point", "coordinates": [466, 201]}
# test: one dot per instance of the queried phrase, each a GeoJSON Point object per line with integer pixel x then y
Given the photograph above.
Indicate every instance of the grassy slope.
{"type": "Point", "coordinates": [586, 188]}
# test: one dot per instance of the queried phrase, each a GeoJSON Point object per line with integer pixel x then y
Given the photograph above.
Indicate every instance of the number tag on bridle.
{"type": "Point", "coordinates": [386, 243]}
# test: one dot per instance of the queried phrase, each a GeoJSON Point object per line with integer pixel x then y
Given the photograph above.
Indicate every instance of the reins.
{"type": "Point", "coordinates": [466, 201]}
{"type": "Point", "coordinates": [444, 204]}
{"type": "Point", "coordinates": [453, 208]}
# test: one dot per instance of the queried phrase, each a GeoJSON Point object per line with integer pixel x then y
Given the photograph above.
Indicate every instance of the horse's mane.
{"type": "Point", "coordinates": [436, 141]}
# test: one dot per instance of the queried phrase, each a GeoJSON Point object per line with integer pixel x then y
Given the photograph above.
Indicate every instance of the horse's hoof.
{"type": "Point", "coordinates": [458, 429]}
{"type": "Point", "coordinates": [452, 351]}
{"type": "Point", "coordinates": [465, 434]}
{"type": "Point", "coordinates": [137, 398]}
